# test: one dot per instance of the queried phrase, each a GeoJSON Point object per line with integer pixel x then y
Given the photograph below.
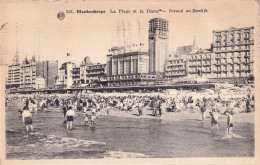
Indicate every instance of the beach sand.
{"type": "Point", "coordinates": [178, 116]}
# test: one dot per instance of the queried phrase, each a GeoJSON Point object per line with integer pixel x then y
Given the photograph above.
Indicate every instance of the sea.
{"type": "Point", "coordinates": [121, 137]}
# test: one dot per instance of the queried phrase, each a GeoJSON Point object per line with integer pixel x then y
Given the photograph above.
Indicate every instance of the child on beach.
{"type": "Point", "coordinates": [86, 118]}
{"type": "Point", "coordinates": [27, 119]}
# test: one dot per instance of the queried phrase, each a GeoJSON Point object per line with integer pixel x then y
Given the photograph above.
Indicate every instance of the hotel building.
{"type": "Point", "coordinates": [128, 68]}
{"type": "Point", "coordinates": [233, 53]}
{"type": "Point", "coordinates": [65, 79]}
{"type": "Point", "coordinates": [14, 76]}
{"type": "Point", "coordinates": [96, 74]}
{"type": "Point", "coordinates": [200, 64]}
{"type": "Point", "coordinates": [28, 74]}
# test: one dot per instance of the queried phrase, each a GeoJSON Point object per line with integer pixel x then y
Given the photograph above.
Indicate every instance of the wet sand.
{"type": "Point", "coordinates": [126, 135]}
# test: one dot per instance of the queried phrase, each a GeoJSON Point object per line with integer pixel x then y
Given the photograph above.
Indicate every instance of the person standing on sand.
{"type": "Point", "coordinates": [70, 117]}
{"type": "Point", "coordinates": [140, 106]}
{"type": "Point", "coordinates": [214, 118]}
{"type": "Point", "coordinates": [160, 107]}
{"type": "Point", "coordinates": [203, 109]}
{"type": "Point", "coordinates": [107, 108]}
{"type": "Point", "coordinates": [64, 109]}
{"type": "Point", "coordinates": [27, 119]}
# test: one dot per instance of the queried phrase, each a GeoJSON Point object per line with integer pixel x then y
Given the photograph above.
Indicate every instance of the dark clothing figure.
{"type": "Point", "coordinates": [65, 108]}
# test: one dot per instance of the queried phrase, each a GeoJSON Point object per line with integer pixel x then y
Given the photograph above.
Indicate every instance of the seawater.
{"type": "Point", "coordinates": [119, 137]}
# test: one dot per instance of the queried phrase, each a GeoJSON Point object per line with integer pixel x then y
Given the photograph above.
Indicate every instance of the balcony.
{"type": "Point", "coordinates": [206, 59]}
{"type": "Point", "coordinates": [191, 60]}
{"type": "Point", "coordinates": [206, 71]}
{"type": "Point", "coordinates": [193, 72]}
{"type": "Point", "coordinates": [193, 66]}
{"type": "Point", "coordinates": [217, 71]}
{"type": "Point", "coordinates": [247, 56]}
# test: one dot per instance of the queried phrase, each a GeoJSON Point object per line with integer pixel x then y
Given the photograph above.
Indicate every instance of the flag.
{"type": "Point", "coordinates": [68, 54]}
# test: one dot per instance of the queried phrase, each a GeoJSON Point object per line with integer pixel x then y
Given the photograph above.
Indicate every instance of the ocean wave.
{"type": "Point", "coordinates": [66, 142]}
{"type": "Point", "coordinates": [121, 154]}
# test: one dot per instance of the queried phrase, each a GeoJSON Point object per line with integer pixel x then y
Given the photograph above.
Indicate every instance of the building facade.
{"type": "Point", "coordinates": [176, 68]}
{"type": "Point", "coordinates": [65, 79]}
{"type": "Point", "coordinates": [28, 74]}
{"type": "Point", "coordinates": [200, 64]}
{"type": "Point", "coordinates": [76, 76]}
{"type": "Point", "coordinates": [47, 70]}
{"type": "Point", "coordinates": [96, 74]}
{"type": "Point", "coordinates": [127, 68]}
{"type": "Point", "coordinates": [177, 65]}
{"type": "Point", "coordinates": [14, 76]}
{"type": "Point", "coordinates": [158, 46]}
{"type": "Point", "coordinates": [233, 53]}
{"type": "Point", "coordinates": [83, 70]}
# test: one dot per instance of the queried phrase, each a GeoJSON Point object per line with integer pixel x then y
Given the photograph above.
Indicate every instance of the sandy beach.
{"type": "Point", "coordinates": [178, 116]}
{"type": "Point", "coordinates": [174, 134]}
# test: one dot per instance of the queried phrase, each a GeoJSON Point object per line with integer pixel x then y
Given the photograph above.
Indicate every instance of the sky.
{"type": "Point", "coordinates": [33, 27]}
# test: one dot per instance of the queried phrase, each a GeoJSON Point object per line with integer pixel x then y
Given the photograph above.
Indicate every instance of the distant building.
{"type": "Point", "coordinates": [176, 68]}
{"type": "Point", "coordinates": [200, 64]}
{"type": "Point", "coordinates": [128, 68]}
{"type": "Point", "coordinates": [96, 74]}
{"type": "Point", "coordinates": [65, 79]}
{"type": "Point", "coordinates": [233, 53]}
{"type": "Point", "coordinates": [14, 76]}
{"type": "Point", "coordinates": [28, 74]}
{"type": "Point", "coordinates": [185, 49]}
{"type": "Point", "coordinates": [177, 65]}
{"type": "Point", "coordinates": [40, 83]}
{"type": "Point", "coordinates": [76, 76]}
{"type": "Point", "coordinates": [158, 46]}
{"type": "Point", "coordinates": [47, 70]}
{"type": "Point", "coordinates": [83, 71]}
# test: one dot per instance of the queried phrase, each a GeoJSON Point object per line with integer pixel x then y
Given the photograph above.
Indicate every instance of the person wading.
{"type": "Point", "coordinates": [70, 117]}
{"type": "Point", "coordinates": [27, 119]}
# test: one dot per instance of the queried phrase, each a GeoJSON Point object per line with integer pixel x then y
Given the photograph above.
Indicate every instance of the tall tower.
{"type": "Point", "coordinates": [158, 46]}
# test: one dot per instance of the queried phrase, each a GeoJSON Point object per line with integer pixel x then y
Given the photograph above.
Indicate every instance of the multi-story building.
{"type": "Point", "coordinates": [31, 74]}
{"type": "Point", "coordinates": [76, 76]}
{"type": "Point", "coordinates": [28, 74]}
{"type": "Point", "coordinates": [200, 64]}
{"type": "Point", "coordinates": [47, 70]}
{"type": "Point", "coordinates": [64, 79]}
{"type": "Point", "coordinates": [233, 53]}
{"type": "Point", "coordinates": [96, 74]}
{"type": "Point", "coordinates": [177, 65]}
{"type": "Point", "coordinates": [83, 70]}
{"type": "Point", "coordinates": [158, 46]}
{"type": "Point", "coordinates": [14, 76]}
{"type": "Point", "coordinates": [176, 68]}
{"type": "Point", "coordinates": [128, 68]}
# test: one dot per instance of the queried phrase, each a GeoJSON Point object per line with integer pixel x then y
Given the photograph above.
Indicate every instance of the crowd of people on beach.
{"type": "Point", "coordinates": [91, 105]}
